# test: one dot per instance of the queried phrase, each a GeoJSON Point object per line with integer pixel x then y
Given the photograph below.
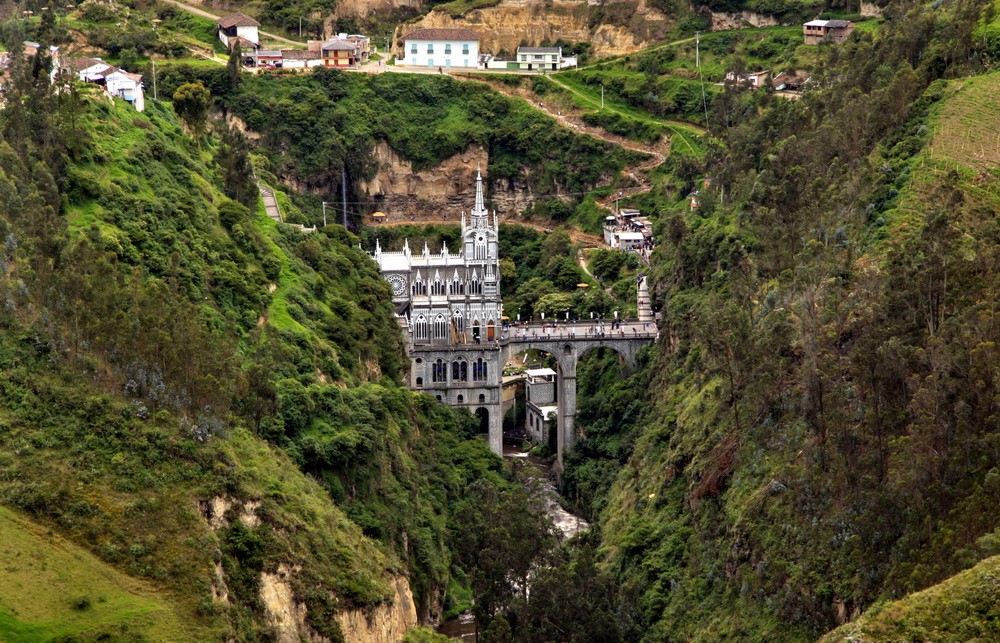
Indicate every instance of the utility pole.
{"type": "Point", "coordinates": [602, 95]}
{"type": "Point", "coordinates": [697, 62]}
{"type": "Point", "coordinates": [324, 214]}
{"type": "Point", "coordinates": [300, 27]}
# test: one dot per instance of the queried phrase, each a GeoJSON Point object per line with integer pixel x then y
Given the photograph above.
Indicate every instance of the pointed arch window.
{"type": "Point", "coordinates": [437, 288]}
{"type": "Point", "coordinates": [440, 327]}
{"type": "Point", "coordinates": [421, 329]}
{"type": "Point", "coordinates": [460, 371]}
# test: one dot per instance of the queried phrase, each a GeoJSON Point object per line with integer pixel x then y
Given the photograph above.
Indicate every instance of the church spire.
{"type": "Point", "coordinates": [480, 209]}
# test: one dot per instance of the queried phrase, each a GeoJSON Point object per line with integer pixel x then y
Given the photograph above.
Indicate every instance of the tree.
{"type": "Point", "coordinates": [233, 67]}
{"type": "Point", "coordinates": [502, 536]}
{"type": "Point", "coordinates": [191, 102]}
{"type": "Point", "coordinates": [233, 157]}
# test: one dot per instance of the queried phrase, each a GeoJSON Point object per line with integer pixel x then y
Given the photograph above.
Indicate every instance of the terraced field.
{"type": "Point", "coordinates": [969, 126]}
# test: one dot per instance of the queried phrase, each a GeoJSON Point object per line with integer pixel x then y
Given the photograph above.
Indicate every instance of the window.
{"type": "Point", "coordinates": [421, 329]}
{"type": "Point", "coordinates": [430, 48]}
{"type": "Point", "coordinates": [420, 381]}
{"type": "Point", "coordinates": [461, 398]}
{"type": "Point", "coordinates": [447, 48]}
{"type": "Point", "coordinates": [460, 371]}
{"type": "Point", "coordinates": [465, 49]}
{"type": "Point", "coordinates": [439, 371]}
{"type": "Point", "coordinates": [479, 370]}
{"type": "Point", "coordinates": [440, 328]}
{"type": "Point", "coordinates": [482, 399]}
{"type": "Point", "coordinates": [413, 48]}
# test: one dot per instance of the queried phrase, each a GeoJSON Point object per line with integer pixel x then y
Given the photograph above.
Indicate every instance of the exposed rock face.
{"type": "Point", "coordinates": [626, 26]}
{"type": "Point", "coordinates": [383, 624]}
{"type": "Point", "coordinates": [287, 617]}
{"type": "Point", "coordinates": [364, 8]}
{"type": "Point", "coordinates": [444, 190]}
{"type": "Point", "coordinates": [741, 19]}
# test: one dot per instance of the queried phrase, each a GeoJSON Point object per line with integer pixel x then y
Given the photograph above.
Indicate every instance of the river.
{"type": "Point", "coordinates": [463, 626]}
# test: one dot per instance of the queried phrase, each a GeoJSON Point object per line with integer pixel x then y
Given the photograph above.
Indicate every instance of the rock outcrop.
{"type": "Point", "coordinates": [613, 28]}
{"type": "Point", "coordinates": [384, 623]}
{"type": "Point", "coordinates": [444, 190]}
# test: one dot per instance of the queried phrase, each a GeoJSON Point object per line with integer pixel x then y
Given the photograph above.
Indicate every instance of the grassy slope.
{"type": "Point", "coordinates": [966, 607]}
{"type": "Point", "coordinates": [51, 587]}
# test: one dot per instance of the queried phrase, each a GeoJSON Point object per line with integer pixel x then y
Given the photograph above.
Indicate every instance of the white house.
{"type": "Point", "coordinates": [127, 86]}
{"type": "Point", "coordinates": [89, 70]}
{"type": "Point", "coordinates": [236, 26]}
{"type": "Point", "coordinates": [443, 48]}
{"type": "Point", "coordinates": [755, 79]}
{"type": "Point", "coordinates": [530, 58]}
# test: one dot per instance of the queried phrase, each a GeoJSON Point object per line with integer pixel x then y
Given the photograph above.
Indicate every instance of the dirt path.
{"type": "Point", "coordinates": [205, 14]}
{"type": "Point", "coordinates": [638, 173]}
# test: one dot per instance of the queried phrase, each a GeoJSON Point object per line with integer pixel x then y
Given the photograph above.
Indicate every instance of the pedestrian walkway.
{"type": "Point", "coordinates": [270, 203]}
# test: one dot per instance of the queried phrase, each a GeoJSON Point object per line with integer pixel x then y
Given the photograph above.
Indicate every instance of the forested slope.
{"type": "Point", "coordinates": [173, 364]}
{"type": "Point", "coordinates": [822, 427]}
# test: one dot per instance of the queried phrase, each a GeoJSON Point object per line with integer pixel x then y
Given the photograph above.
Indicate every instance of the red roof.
{"type": "Point", "coordinates": [442, 34]}
{"type": "Point", "coordinates": [237, 20]}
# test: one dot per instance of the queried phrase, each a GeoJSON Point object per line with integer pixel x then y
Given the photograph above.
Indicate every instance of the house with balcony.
{"type": "Point", "coordinates": [440, 48]}
{"type": "Point", "coordinates": [816, 32]}
{"type": "Point", "coordinates": [532, 58]}
{"type": "Point", "coordinates": [339, 53]}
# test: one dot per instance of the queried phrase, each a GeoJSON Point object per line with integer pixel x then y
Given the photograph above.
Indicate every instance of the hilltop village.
{"type": "Point", "coordinates": [506, 320]}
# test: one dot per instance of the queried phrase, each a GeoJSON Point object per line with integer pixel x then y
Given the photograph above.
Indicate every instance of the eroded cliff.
{"type": "Point", "coordinates": [613, 29]}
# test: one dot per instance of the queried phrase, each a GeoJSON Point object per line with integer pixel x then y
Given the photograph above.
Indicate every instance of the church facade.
{"type": "Point", "coordinates": [451, 307]}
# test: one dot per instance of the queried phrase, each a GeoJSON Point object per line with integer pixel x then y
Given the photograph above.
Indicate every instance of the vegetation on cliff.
{"type": "Point", "coordinates": [823, 432]}
{"type": "Point", "coordinates": [165, 347]}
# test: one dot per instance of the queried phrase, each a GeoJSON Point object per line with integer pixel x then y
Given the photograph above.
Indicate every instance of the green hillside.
{"type": "Point", "coordinates": [164, 347]}
{"type": "Point", "coordinates": [52, 588]}
{"type": "Point", "coordinates": [965, 607]}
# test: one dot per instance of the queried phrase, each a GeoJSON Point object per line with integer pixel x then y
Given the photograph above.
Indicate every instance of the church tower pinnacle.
{"type": "Point", "coordinates": [479, 212]}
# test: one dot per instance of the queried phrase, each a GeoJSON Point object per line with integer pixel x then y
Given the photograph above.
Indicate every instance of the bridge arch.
{"type": "Point", "coordinates": [568, 345]}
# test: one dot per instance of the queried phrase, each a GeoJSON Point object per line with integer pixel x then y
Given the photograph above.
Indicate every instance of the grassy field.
{"type": "Point", "coordinates": [52, 588]}
{"type": "Point", "coordinates": [968, 132]}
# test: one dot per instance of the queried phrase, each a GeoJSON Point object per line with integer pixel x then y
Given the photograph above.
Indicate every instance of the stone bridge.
{"type": "Point", "coordinates": [482, 395]}
{"type": "Point", "coordinates": [567, 344]}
